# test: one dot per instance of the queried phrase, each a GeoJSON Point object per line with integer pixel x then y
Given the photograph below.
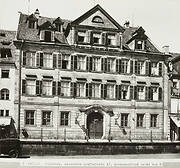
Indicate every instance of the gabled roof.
{"type": "Point", "coordinates": [92, 11]}
{"type": "Point", "coordinates": [58, 21]}
{"type": "Point", "coordinates": [47, 26]}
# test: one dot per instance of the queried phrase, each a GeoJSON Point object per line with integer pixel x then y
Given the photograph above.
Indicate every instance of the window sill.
{"type": "Point", "coordinates": [44, 68]}
{"type": "Point", "coordinates": [30, 126]}
{"type": "Point", "coordinates": [30, 67]}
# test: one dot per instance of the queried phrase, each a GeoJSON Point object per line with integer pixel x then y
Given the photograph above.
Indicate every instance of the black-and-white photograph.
{"type": "Point", "coordinates": [89, 83]}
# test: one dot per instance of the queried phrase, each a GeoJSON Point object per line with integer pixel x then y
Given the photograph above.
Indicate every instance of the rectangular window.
{"type": "Point", "coordinates": [47, 88]}
{"type": "Point", "coordinates": [139, 68]}
{"type": "Point", "coordinates": [124, 66]}
{"type": "Point", "coordinates": [47, 36]}
{"type": "Point", "coordinates": [31, 24]}
{"type": "Point", "coordinates": [140, 93]}
{"type": "Point", "coordinates": [29, 117]}
{"type": "Point", "coordinates": [7, 112]}
{"type": "Point", "coordinates": [124, 92]}
{"type": "Point", "coordinates": [153, 122]}
{"type": "Point", "coordinates": [124, 120]}
{"type": "Point", "coordinates": [30, 87]}
{"type": "Point", "coordinates": [4, 73]}
{"type": "Point", "coordinates": [30, 59]}
{"type": "Point", "coordinates": [65, 88]}
{"type": "Point", "coordinates": [111, 39]}
{"type": "Point", "coordinates": [80, 89]}
{"type": "Point", "coordinates": [5, 53]}
{"type": "Point", "coordinates": [46, 118]}
{"type": "Point", "coordinates": [96, 38]}
{"type": "Point", "coordinates": [110, 65]}
{"type": "Point", "coordinates": [140, 118]}
{"type": "Point", "coordinates": [48, 60]}
{"type": "Point", "coordinates": [154, 68]}
{"type": "Point", "coordinates": [96, 64]}
{"type": "Point", "coordinates": [81, 62]}
{"type": "Point", "coordinates": [64, 118]}
{"type": "Point", "coordinates": [110, 91]}
{"type": "Point", "coordinates": [154, 93]}
{"type": "Point", "coordinates": [2, 113]}
{"type": "Point", "coordinates": [95, 90]}
{"type": "Point", "coordinates": [81, 36]}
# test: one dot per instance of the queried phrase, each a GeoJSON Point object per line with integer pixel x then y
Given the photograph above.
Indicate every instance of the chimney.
{"type": "Point", "coordinates": [126, 24]}
{"type": "Point", "coordinates": [165, 49]}
{"type": "Point", "coordinates": [36, 13]}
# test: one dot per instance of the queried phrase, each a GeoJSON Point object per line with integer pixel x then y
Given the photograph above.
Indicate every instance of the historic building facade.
{"type": "Point", "coordinates": [7, 73]}
{"type": "Point", "coordinates": [90, 78]}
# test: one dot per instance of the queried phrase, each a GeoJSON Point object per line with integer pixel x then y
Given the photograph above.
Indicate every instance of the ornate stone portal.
{"type": "Point", "coordinates": [97, 121]}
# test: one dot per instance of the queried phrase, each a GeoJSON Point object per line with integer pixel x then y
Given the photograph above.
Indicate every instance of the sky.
{"type": "Point", "coordinates": [160, 18]}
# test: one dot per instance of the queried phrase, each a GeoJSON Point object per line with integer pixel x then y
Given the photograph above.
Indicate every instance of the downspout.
{"type": "Point", "coordinates": [19, 96]}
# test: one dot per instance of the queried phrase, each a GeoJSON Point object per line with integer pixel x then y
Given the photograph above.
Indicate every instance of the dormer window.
{"type": "Point", "coordinates": [139, 44]}
{"type": "Point", "coordinates": [31, 24]}
{"type": "Point", "coordinates": [97, 19]}
{"type": "Point", "coordinates": [81, 36]}
{"type": "Point", "coordinates": [47, 35]}
{"type": "Point", "coordinates": [111, 40]}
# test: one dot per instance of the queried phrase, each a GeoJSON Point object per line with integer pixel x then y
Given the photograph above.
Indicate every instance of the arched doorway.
{"type": "Point", "coordinates": [95, 125]}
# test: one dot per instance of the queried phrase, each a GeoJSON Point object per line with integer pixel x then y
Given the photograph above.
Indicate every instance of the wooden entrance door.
{"type": "Point", "coordinates": [95, 125]}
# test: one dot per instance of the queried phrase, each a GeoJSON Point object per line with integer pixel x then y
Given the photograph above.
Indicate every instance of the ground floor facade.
{"type": "Point", "coordinates": [79, 119]}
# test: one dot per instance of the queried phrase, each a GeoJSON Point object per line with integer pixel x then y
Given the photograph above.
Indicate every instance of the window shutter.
{"type": "Point", "coordinates": [118, 66]}
{"type": "Point", "coordinates": [131, 66]}
{"type": "Point", "coordinates": [88, 34]}
{"type": "Point", "coordinates": [54, 60]}
{"type": "Point", "coordinates": [41, 59]}
{"type": "Point", "coordinates": [24, 58]}
{"type": "Point", "coordinates": [120, 88]}
{"type": "Point", "coordinates": [75, 36]}
{"type": "Point", "coordinates": [160, 94]}
{"type": "Point", "coordinates": [59, 60]}
{"type": "Point", "coordinates": [117, 91]}
{"type": "Point", "coordinates": [75, 89]}
{"type": "Point", "coordinates": [75, 62]}
{"type": "Point", "coordinates": [91, 38]}
{"type": "Point", "coordinates": [147, 68]}
{"type": "Point", "coordinates": [135, 93]}
{"type": "Point", "coordinates": [87, 89]}
{"type": "Point", "coordinates": [53, 88]}
{"type": "Point", "coordinates": [106, 39]}
{"type": "Point", "coordinates": [102, 91]}
{"type": "Point", "coordinates": [90, 64]}
{"type": "Point", "coordinates": [87, 63]}
{"type": "Point", "coordinates": [72, 62]}
{"type": "Point", "coordinates": [103, 38]}
{"type": "Point", "coordinates": [90, 90]}
{"type": "Point", "coordinates": [38, 87]}
{"type": "Point", "coordinates": [160, 69]}
{"type": "Point", "coordinates": [102, 64]}
{"type": "Point", "coordinates": [42, 35]}
{"type": "Point", "coordinates": [135, 66]}
{"type": "Point", "coordinates": [52, 36]}
{"type": "Point", "coordinates": [105, 91]}
{"type": "Point", "coordinates": [150, 93]}
{"type": "Point", "coordinates": [118, 40]}
{"type": "Point", "coordinates": [23, 86]}
{"type": "Point", "coordinates": [147, 94]}
{"type": "Point", "coordinates": [59, 89]}
{"type": "Point", "coordinates": [131, 93]}
{"type": "Point", "coordinates": [38, 59]}
{"type": "Point", "coordinates": [105, 64]}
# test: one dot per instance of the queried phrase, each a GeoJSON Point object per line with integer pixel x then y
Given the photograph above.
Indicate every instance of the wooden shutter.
{"type": "Point", "coordinates": [72, 62]}
{"type": "Point", "coordinates": [38, 59]}
{"type": "Point", "coordinates": [75, 62]}
{"type": "Point", "coordinates": [54, 60]}
{"type": "Point", "coordinates": [147, 94]}
{"type": "Point", "coordinates": [160, 69]}
{"type": "Point", "coordinates": [59, 62]}
{"type": "Point", "coordinates": [135, 67]}
{"type": "Point", "coordinates": [147, 68]}
{"type": "Point", "coordinates": [87, 63]}
{"type": "Point", "coordinates": [53, 88]}
{"type": "Point", "coordinates": [90, 90]}
{"type": "Point", "coordinates": [160, 94]}
{"type": "Point", "coordinates": [118, 65]}
{"type": "Point", "coordinates": [42, 35]}
{"type": "Point", "coordinates": [118, 40]}
{"type": "Point", "coordinates": [38, 87]}
{"type": "Point", "coordinates": [90, 64]}
{"type": "Point", "coordinates": [105, 64]}
{"type": "Point", "coordinates": [117, 92]}
{"type": "Point", "coordinates": [102, 91]}
{"type": "Point", "coordinates": [131, 93]}
{"type": "Point", "coordinates": [102, 64]}
{"type": "Point", "coordinates": [59, 89]}
{"type": "Point", "coordinates": [120, 88]}
{"type": "Point", "coordinates": [24, 58]}
{"type": "Point", "coordinates": [41, 59]}
{"type": "Point", "coordinates": [52, 36]}
{"type": "Point", "coordinates": [73, 89]}
{"type": "Point", "coordinates": [87, 89]}
{"type": "Point", "coordinates": [135, 93]}
{"type": "Point", "coordinates": [88, 34]}
{"type": "Point", "coordinates": [150, 93]}
{"type": "Point", "coordinates": [75, 36]}
{"type": "Point", "coordinates": [23, 86]}
{"type": "Point", "coordinates": [103, 38]}
{"type": "Point", "coordinates": [131, 66]}
{"type": "Point", "coordinates": [105, 91]}
{"type": "Point", "coordinates": [91, 38]}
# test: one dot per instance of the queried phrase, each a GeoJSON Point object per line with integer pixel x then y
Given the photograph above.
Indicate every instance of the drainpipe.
{"type": "Point", "coordinates": [19, 96]}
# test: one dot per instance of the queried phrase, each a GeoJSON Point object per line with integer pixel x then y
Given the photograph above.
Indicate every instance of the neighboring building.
{"type": "Point", "coordinates": [91, 78]}
{"type": "Point", "coordinates": [7, 73]}
{"type": "Point", "coordinates": [175, 98]}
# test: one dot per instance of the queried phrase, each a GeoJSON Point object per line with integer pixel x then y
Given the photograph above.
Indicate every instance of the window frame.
{"type": "Point", "coordinates": [46, 118]}
{"type": "Point", "coordinates": [4, 94]}
{"type": "Point", "coordinates": [5, 73]}
{"type": "Point", "coordinates": [30, 118]}
{"type": "Point", "coordinates": [124, 122]}
{"type": "Point", "coordinates": [64, 119]}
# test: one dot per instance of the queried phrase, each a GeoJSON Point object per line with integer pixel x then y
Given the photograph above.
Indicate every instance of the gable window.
{"type": "Point", "coordinates": [47, 118]}
{"type": "Point", "coordinates": [140, 118]}
{"type": "Point", "coordinates": [29, 117]}
{"type": "Point", "coordinates": [96, 38]}
{"type": "Point", "coordinates": [97, 19]}
{"type": "Point", "coordinates": [4, 94]}
{"type": "Point", "coordinates": [153, 121]}
{"type": "Point", "coordinates": [4, 73]}
{"type": "Point", "coordinates": [124, 120]}
{"type": "Point", "coordinates": [139, 44]}
{"type": "Point", "coordinates": [82, 36]}
{"type": "Point", "coordinates": [111, 39]}
{"type": "Point", "coordinates": [64, 118]}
